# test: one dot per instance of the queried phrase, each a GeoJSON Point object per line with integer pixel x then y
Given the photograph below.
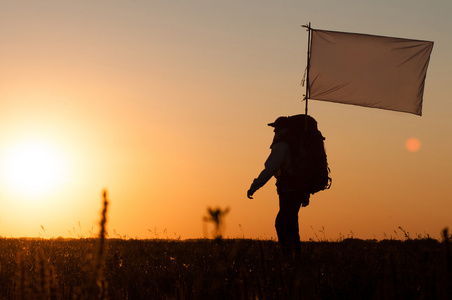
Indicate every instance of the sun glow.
{"type": "Point", "coordinates": [33, 168]}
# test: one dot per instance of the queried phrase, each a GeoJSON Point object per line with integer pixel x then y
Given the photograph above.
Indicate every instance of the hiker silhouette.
{"type": "Point", "coordinates": [287, 151]}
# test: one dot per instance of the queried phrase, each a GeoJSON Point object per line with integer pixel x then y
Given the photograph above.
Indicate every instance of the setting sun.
{"type": "Point", "coordinates": [32, 168]}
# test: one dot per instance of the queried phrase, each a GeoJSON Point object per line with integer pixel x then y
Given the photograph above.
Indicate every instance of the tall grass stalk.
{"type": "Point", "coordinates": [98, 285]}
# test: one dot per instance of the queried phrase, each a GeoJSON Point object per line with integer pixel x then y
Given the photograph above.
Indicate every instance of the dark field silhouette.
{"type": "Point", "coordinates": [223, 269]}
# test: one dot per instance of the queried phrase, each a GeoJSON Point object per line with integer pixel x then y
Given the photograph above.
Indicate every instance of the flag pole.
{"type": "Point", "coordinates": [306, 97]}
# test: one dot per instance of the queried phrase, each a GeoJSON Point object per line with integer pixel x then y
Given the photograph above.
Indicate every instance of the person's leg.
{"type": "Point", "coordinates": [287, 219]}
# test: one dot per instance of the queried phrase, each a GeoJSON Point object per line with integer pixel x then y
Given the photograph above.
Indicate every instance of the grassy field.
{"type": "Point", "coordinates": [223, 269]}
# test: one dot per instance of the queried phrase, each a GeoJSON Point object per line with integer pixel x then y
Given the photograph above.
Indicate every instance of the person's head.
{"type": "Point", "coordinates": [279, 124]}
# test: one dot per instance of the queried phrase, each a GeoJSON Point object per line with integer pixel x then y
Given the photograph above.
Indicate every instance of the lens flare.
{"type": "Point", "coordinates": [413, 144]}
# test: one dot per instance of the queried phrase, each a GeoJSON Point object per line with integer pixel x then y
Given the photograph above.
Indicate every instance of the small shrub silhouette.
{"type": "Point", "coordinates": [216, 216]}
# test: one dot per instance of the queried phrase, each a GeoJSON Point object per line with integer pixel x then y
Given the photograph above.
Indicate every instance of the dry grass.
{"type": "Point", "coordinates": [224, 269]}
{"type": "Point", "coordinates": [101, 268]}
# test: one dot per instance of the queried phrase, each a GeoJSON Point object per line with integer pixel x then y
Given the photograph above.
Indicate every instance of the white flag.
{"type": "Point", "coordinates": [368, 70]}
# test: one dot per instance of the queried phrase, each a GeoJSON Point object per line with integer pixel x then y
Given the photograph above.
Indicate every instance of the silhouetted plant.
{"type": "Point", "coordinates": [406, 233]}
{"type": "Point", "coordinates": [216, 216]}
{"type": "Point", "coordinates": [98, 286]}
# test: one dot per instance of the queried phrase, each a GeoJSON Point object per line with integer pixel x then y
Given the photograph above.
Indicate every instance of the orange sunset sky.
{"type": "Point", "coordinates": [165, 105]}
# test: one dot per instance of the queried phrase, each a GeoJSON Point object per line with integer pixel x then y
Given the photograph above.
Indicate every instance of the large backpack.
{"type": "Point", "coordinates": [308, 153]}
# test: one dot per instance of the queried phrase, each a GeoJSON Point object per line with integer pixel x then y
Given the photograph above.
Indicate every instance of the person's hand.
{"type": "Point", "coordinates": [250, 194]}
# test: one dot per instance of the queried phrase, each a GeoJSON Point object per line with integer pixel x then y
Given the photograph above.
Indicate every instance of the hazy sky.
{"type": "Point", "coordinates": [165, 104]}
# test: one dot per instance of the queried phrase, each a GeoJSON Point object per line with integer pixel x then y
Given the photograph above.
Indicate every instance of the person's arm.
{"type": "Point", "coordinates": [272, 164]}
